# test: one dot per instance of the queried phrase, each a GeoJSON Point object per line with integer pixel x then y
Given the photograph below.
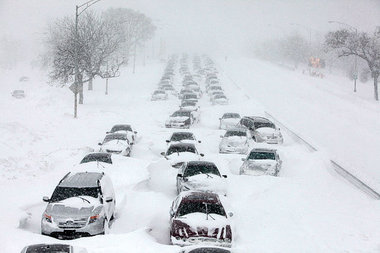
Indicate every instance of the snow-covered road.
{"type": "Point", "coordinates": [305, 209]}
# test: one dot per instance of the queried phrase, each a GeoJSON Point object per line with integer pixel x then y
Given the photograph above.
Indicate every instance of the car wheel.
{"type": "Point", "coordinates": [128, 152]}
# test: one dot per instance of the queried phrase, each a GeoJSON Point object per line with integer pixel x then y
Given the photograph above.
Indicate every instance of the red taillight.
{"type": "Point", "coordinates": [47, 217]}
{"type": "Point", "coordinates": [93, 218]}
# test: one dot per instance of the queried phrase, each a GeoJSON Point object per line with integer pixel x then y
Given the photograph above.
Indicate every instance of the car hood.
{"type": "Point", "coordinates": [231, 121]}
{"type": "Point", "coordinates": [178, 119]}
{"type": "Point", "coordinates": [74, 206]}
{"type": "Point", "coordinates": [234, 140]}
{"type": "Point", "coordinates": [262, 165]}
{"type": "Point", "coordinates": [203, 182]}
{"type": "Point", "coordinates": [117, 145]}
{"type": "Point", "coordinates": [203, 224]}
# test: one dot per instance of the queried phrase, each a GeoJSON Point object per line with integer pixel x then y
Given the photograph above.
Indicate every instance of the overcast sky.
{"type": "Point", "coordinates": [225, 26]}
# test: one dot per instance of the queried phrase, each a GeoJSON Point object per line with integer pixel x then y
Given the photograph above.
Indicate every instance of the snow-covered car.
{"type": "Point", "coordinates": [219, 100]}
{"type": "Point", "coordinates": [124, 128]}
{"type": "Point", "coordinates": [213, 88]}
{"type": "Point", "coordinates": [182, 137]}
{"type": "Point", "coordinates": [116, 143]}
{"type": "Point", "coordinates": [180, 119]}
{"type": "Point", "coordinates": [235, 140]}
{"type": "Point", "coordinates": [53, 248]}
{"type": "Point", "coordinates": [82, 204]}
{"type": "Point", "coordinates": [178, 153]}
{"type": "Point", "coordinates": [261, 161]}
{"type": "Point", "coordinates": [205, 249]}
{"type": "Point", "coordinates": [193, 107]}
{"type": "Point", "coordinates": [200, 176]}
{"type": "Point", "coordinates": [229, 120]}
{"type": "Point", "coordinates": [262, 130]}
{"type": "Point", "coordinates": [199, 218]}
{"type": "Point", "coordinates": [18, 93]}
{"type": "Point", "coordinates": [190, 97]}
{"type": "Point", "coordinates": [159, 95]}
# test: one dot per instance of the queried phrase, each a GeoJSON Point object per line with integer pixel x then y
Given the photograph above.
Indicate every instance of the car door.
{"type": "Point", "coordinates": [180, 178]}
{"type": "Point", "coordinates": [108, 194]}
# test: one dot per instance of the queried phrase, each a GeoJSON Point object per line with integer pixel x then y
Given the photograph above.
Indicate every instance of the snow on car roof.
{"type": "Point", "coordinates": [81, 179]}
{"type": "Point", "coordinates": [268, 150]}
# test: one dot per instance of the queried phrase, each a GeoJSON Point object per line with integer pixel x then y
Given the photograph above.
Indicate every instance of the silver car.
{"type": "Point", "coordinates": [229, 120]}
{"type": "Point", "coordinates": [261, 161]}
{"type": "Point", "coordinates": [235, 140]}
{"type": "Point", "coordinates": [82, 204]}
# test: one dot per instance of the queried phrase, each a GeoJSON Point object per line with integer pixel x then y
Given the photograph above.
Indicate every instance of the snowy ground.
{"type": "Point", "coordinates": [306, 209]}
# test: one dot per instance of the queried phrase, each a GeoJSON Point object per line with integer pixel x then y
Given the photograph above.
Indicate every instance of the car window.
{"type": "Point", "coordinates": [179, 149]}
{"type": "Point", "coordinates": [111, 137]}
{"type": "Point", "coordinates": [187, 207]}
{"type": "Point", "coordinates": [61, 193]}
{"type": "Point", "coordinates": [209, 250]}
{"type": "Point", "coordinates": [182, 136]}
{"type": "Point", "coordinates": [264, 124]}
{"type": "Point", "coordinates": [230, 133]}
{"type": "Point", "coordinates": [181, 114]}
{"type": "Point", "coordinates": [196, 169]}
{"type": "Point", "coordinates": [106, 158]}
{"type": "Point", "coordinates": [261, 156]}
{"type": "Point", "coordinates": [121, 128]}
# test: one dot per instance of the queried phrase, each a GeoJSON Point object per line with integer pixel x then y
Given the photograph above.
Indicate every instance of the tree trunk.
{"type": "Point", "coordinates": [375, 84]}
{"type": "Point", "coordinates": [90, 87]}
{"type": "Point", "coordinates": [80, 90]}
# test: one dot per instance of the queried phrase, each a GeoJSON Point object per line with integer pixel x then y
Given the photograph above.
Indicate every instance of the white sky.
{"type": "Point", "coordinates": [225, 26]}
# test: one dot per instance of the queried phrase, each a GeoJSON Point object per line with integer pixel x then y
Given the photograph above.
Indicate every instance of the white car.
{"type": "Point", "coordinates": [261, 161]}
{"type": "Point", "coordinates": [124, 128]}
{"type": "Point", "coordinates": [82, 204]}
{"type": "Point", "coordinates": [200, 176]}
{"type": "Point", "coordinates": [229, 120]}
{"type": "Point", "coordinates": [179, 153]}
{"type": "Point", "coordinates": [159, 95]}
{"type": "Point", "coordinates": [219, 100]}
{"type": "Point", "coordinates": [182, 137]}
{"type": "Point", "coordinates": [235, 140]}
{"type": "Point", "coordinates": [180, 119]}
{"type": "Point", "coordinates": [116, 143]}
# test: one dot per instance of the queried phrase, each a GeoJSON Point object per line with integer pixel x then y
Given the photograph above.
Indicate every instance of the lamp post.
{"type": "Point", "coordinates": [356, 57]}
{"type": "Point", "coordinates": [79, 9]}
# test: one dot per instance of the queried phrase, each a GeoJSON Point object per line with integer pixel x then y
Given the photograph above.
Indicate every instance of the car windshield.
{"type": "Point", "coordinates": [258, 124]}
{"type": "Point", "coordinates": [102, 157]}
{"type": "Point", "coordinates": [181, 114]}
{"type": "Point", "coordinates": [121, 128]}
{"type": "Point", "coordinates": [209, 250]}
{"type": "Point", "coordinates": [231, 115]}
{"type": "Point", "coordinates": [159, 92]}
{"type": "Point", "coordinates": [187, 207]}
{"type": "Point", "coordinates": [195, 169]}
{"type": "Point", "coordinates": [59, 248]}
{"type": "Point", "coordinates": [179, 149]}
{"type": "Point", "coordinates": [188, 104]}
{"type": "Point", "coordinates": [182, 136]}
{"type": "Point", "coordinates": [18, 91]}
{"type": "Point", "coordinates": [111, 137]}
{"type": "Point", "coordinates": [191, 96]}
{"type": "Point", "coordinates": [261, 156]}
{"type": "Point", "coordinates": [230, 133]}
{"type": "Point", "coordinates": [220, 96]}
{"type": "Point", "coordinates": [61, 193]}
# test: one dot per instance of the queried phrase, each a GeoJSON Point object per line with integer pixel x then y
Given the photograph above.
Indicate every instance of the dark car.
{"type": "Point", "coordinates": [204, 249]}
{"type": "Point", "coordinates": [199, 217]}
{"type": "Point", "coordinates": [97, 157]}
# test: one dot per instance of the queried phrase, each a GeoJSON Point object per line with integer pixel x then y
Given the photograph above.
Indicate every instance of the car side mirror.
{"type": "Point", "coordinates": [109, 199]}
{"type": "Point", "coordinates": [171, 213]}
{"type": "Point", "coordinates": [46, 199]}
{"type": "Point", "coordinates": [243, 159]}
{"type": "Point", "coordinates": [135, 132]}
{"type": "Point", "coordinates": [202, 154]}
{"type": "Point", "coordinates": [230, 214]}
{"type": "Point", "coordinates": [108, 132]}
{"type": "Point", "coordinates": [225, 176]}
{"type": "Point", "coordinates": [199, 141]}
{"type": "Point", "coordinates": [179, 175]}
{"type": "Point", "coordinates": [99, 143]}
{"type": "Point", "coordinates": [221, 136]}
{"type": "Point", "coordinates": [162, 153]}
{"type": "Point", "coordinates": [167, 141]}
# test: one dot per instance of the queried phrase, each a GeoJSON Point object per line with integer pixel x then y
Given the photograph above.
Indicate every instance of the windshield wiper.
{"type": "Point", "coordinates": [83, 199]}
{"type": "Point", "coordinates": [98, 163]}
{"type": "Point", "coordinates": [207, 213]}
{"type": "Point", "coordinates": [208, 175]}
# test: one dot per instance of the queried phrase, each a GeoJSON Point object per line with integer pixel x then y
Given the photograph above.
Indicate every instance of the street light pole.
{"type": "Point", "coordinates": [356, 57]}
{"type": "Point", "coordinates": [78, 78]}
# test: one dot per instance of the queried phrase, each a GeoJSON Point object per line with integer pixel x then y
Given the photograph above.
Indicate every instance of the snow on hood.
{"type": "Point", "coordinates": [267, 131]}
{"type": "Point", "coordinates": [116, 145]}
{"type": "Point", "coordinates": [234, 140]}
{"type": "Point", "coordinates": [230, 121]}
{"type": "Point", "coordinates": [264, 164]}
{"type": "Point", "coordinates": [200, 221]}
{"type": "Point", "coordinates": [73, 206]}
{"type": "Point", "coordinates": [178, 119]}
{"type": "Point", "coordinates": [182, 157]}
{"type": "Point", "coordinates": [203, 182]}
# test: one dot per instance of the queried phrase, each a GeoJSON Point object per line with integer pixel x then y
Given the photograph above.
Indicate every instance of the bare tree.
{"type": "Point", "coordinates": [363, 45]}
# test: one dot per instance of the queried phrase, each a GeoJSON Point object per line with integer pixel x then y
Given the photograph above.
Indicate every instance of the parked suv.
{"type": "Point", "coordinates": [82, 204]}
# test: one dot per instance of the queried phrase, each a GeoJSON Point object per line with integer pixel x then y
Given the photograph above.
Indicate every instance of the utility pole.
{"type": "Point", "coordinates": [134, 58]}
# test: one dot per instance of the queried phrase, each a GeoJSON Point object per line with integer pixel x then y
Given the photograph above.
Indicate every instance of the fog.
{"type": "Point", "coordinates": [214, 26]}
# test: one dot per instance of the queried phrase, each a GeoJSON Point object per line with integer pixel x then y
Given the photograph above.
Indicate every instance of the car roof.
{"type": "Point", "coordinates": [199, 195]}
{"type": "Point", "coordinates": [266, 150]}
{"type": "Point", "coordinates": [200, 163]}
{"type": "Point", "coordinates": [81, 179]}
{"type": "Point", "coordinates": [122, 125]}
{"type": "Point", "coordinates": [183, 133]}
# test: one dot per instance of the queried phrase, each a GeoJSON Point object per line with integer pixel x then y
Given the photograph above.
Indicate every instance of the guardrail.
{"type": "Point", "coordinates": [338, 168]}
